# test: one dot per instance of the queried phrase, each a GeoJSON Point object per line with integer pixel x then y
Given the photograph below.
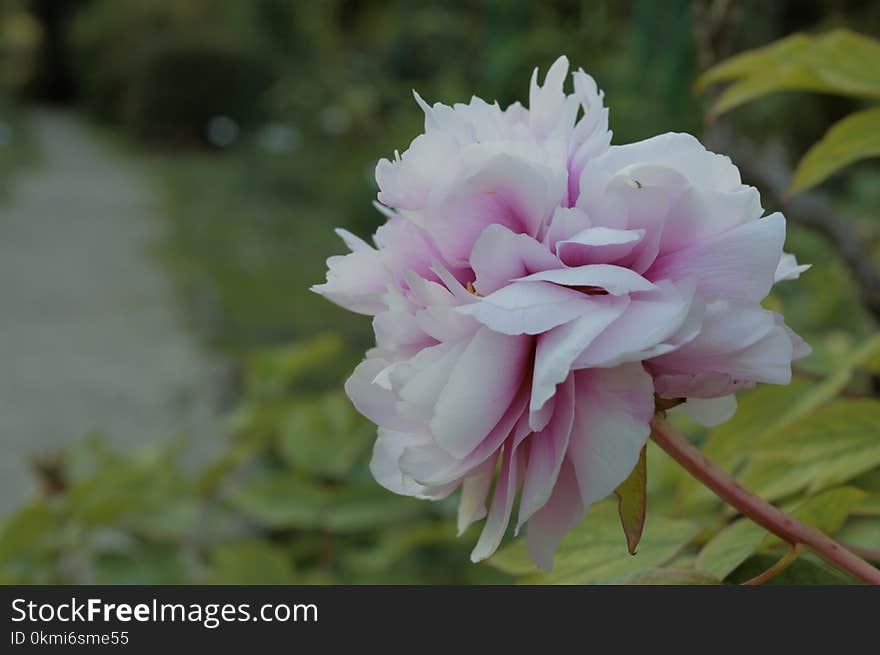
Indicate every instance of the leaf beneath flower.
{"type": "Point", "coordinates": [632, 503]}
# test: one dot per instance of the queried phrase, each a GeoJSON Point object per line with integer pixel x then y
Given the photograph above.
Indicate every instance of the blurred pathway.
{"type": "Point", "coordinates": [90, 339]}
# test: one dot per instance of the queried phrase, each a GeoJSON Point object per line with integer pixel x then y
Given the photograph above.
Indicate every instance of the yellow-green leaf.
{"type": "Point", "coordinates": [863, 533]}
{"type": "Point", "coordinates": [831, 446]}
{"type": "Point", "coordinates": [732, 546]}
{"type": "Point", "coordinates": [632, 503]}
{"type": "Point", "coordinates": [828, 510]}
{"type": "Point", "coordinates": [735, 543]}
{"type": "Point", "coordinates": [840, 62]}
{"type": "Point", "coordinates": [853, 138]}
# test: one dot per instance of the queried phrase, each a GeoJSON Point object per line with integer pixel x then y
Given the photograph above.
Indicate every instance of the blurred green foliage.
{"type": "Point", "coordinates": [289, 501]}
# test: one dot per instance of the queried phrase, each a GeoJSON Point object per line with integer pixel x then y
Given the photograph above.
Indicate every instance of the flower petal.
{"type": "Point", "coordinates": [419, 380]}
{"type": "Point", "coordinates": [741, 341]}
{"type": "Point", "coordinates": [547, 449]}
{"type": "Point", "coordinates": [613, 411]}
{"type": "Point", "coordinates": [737, 265]}
{"type": "Point", "coordinates": [482, 385]}
{"type": "Point", "coordinates": [565, 223]}
{"type": "Point", "coordinates": [709, 412]}
{"type": "Point", "coordinates": [646, 328]}
{"type": "Point", "coordinates": [547, 103]}
{"type": "Point", "coordinates": [512, 184]}
{"type": "Point", "coordinates": [502, 499]}
{"type": "Point", "coordinates": [500, 256]}
{"type": "Point", "coordinates": [376, 403]}
{"type": "Point", "coordinates": [558, 349]}
{"type": "Point", "coordinates": [558, 515]}
{"type": "Point", "coordinates": [788, 268]}
{"type": "Point", "coordinates": [474, 491]}
{"type": "Point", "coordinates": [616, 280]}
{"type": "Point", "coordinates": [433, 466]}
{"type": "Point", "coordinates": [383, 465]}
{"type": "Point", "coordinates": [598, 245]}
{"type": "Point", "coordinates": [528, 308]}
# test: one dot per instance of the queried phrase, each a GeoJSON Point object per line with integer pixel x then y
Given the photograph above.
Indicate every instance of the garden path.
{"type": "Point", "coordinates": [91, 337]}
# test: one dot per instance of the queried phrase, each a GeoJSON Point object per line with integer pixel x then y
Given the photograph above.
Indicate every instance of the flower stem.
{"type": "Point", "coordinates": [865, 553]}
{"type": "Point", "coordinates": [760, 511]}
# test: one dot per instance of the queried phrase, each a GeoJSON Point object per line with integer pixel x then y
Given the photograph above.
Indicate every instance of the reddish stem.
{"type": "Point", "coordinates": [760, 511]}
{"type": "Point", "coordinates": [865, 553]}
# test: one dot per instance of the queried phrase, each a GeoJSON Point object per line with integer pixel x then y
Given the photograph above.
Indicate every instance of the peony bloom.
{"type": "Point", "coordinates": [532, 290]}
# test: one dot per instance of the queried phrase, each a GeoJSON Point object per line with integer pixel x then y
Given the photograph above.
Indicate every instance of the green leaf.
{"type": "Point", "coordinates": [325, 436]}
{"type": "Point", "coordinates": [30, 528]}
{"type": "Point", "coordinates": [632, 503]}
{"type": "Point", "coordinates": [286, 500]}
{"type": "Point", "coordinates": [367, 506]}
{"type": "Point", "coordinates": [250, 562]}
{"type": "Point", "coordinates": [853, 138]}
{"type": "Point", "coordinates": [732, 546]}
{"type": "Point", "coordinates": [737, 542]}
{"type": "Point", "coordinates": [759, 413]}
{"type": "Point", "coordinates": [248, 446]}
{"type": "Point", "coordinates": [168, 521]}
{"type": "Point", "coordinates": [840, 62]}
{"type": "Point", "coordinates": [861, 532]}
{"type": "Point", "coordinates": [273, 372]}
{"type": "Point", "coordinates": [282, 500]}
{"type": "Point", "coordinates": [126, 487]}
{"type": "Point", "coordinates": [828, 447]}
{"type": "Point", "coordinates": [827, 511]}
{"type": "Point", "coordinates": [869, 481]}
{"type": "Point", "coordinates": [869, 506]}
{"type": "Point", "coordinates": [592, 553]}
{"type": "Point", "coordinates": [399, 541]}
{"type": "Point", "coordinates": [145, 563]}
{"type": "Point", "coordinates": [808, 569]}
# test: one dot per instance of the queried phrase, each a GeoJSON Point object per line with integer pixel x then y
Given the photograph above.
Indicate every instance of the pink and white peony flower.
{"type": "Point", "coordinates": [532, 290]}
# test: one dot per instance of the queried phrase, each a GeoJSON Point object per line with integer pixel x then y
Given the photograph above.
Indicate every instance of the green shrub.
{"type": "Point", "coordinates": [290, 500]}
